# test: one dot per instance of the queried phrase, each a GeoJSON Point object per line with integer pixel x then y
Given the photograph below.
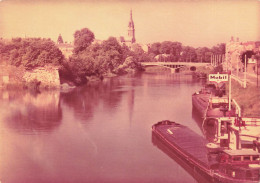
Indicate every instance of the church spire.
{"type": "Point", "coordinates": [131, 16]}
{"type": "Point", "coordinates": [60, 40]}
{"type": "Point", "coordinates": [131, 28]}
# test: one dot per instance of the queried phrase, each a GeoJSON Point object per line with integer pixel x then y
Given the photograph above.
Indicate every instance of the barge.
{"type": "Point", "coordinates": [211, 106]}
{"type": "Point", "coordinates": [226, 166]}
{"type": "Point", "coordinates": [210, 102]}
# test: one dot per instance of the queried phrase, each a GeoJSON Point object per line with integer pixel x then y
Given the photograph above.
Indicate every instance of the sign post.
{"type": "Point", "coordinates": [218, 78]}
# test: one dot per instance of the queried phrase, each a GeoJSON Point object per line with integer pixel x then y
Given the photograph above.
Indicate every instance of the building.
{"type": "Point", "coordinates": [60, 40]}
{"type": "Point", "coordinates": [65, 48]}
{"type": "Point", "coordinates": [131, 29]}
{"type": "Point", "coordinates": [130, 38]}
{"type": "Point", "coordinates": [236, 54]}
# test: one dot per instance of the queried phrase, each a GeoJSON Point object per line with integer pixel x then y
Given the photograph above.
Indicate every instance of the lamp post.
{"type": "Point", "coordinates": [257, 59]}
{"type": "Point", "coordinates": [245, 73]}
{"type": "Point", "coordinates": [237, 57]}
{"type": "Point", "coordinates": [257, 73]}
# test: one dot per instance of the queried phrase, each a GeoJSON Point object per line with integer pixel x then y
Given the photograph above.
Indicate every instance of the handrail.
{"type": "Point", "coordinates": [240, 81]}
{"type": "Point", "coordinates": [237, 107]}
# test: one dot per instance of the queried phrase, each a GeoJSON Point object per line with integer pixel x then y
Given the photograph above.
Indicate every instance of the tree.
{"type": "Point", "coordinates": [203, 54]}
{"type": "Point", "coordinates": [81, 66]}
{"type": "Point", "coordinates": [155, 48]}
{"type": "Point", "coordinates": [219, 49]}
{"type": "Point", "coordinates": [82, 39]}
{"type": "Point", "coordinates": [171, 49]}
{"type": "Point", "coordinates": [188, 54]}
{"type": "Point", "coordinates": [97, 59]}
{"type": "Point", "coordinates": [111, 52]}
{"type": "Point", "coordinates": [166, 47]}
{"type": "Point", "coordinates": [31, 52]}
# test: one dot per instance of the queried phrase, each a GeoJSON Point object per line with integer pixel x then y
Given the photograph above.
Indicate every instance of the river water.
{"type": "Point", "coordinates": [96, 133]}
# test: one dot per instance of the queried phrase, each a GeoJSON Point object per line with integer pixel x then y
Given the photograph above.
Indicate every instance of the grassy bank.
{"type": "Point", "coordinates": [247, 98]}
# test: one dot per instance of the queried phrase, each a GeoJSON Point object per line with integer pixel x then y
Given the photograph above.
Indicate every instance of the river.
{"type": "Point", "coordinates": [96, 133]}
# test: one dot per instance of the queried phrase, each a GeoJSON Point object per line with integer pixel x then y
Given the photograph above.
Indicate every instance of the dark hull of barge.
{"type": "Point", "coordinates": [190, 148]}
{"type": "Point", "coordinates": [200, 103]}
{"type": "Point", "coordinates": [178, 159]}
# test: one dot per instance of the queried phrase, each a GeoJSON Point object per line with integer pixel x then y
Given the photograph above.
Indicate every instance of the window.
{"type": "Point", "coordinates": [236, 158]}
{"type": "Point", "coordinates": [246, 158]}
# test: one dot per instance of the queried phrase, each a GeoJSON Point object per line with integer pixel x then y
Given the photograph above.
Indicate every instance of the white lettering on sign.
{"type": "Point", "coordinates": [218, 77]}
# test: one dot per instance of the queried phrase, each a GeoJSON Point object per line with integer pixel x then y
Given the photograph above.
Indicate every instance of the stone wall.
{"type": "Point", "coordinates": [48, 76]}
{"type": "Point", "coordinates": [18, 76]}
{"type": "Point", "coordinates": [10, 75]}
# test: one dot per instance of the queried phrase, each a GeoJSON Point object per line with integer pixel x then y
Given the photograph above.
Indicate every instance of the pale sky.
{"type": "Point", "coordinates": [191, 22]}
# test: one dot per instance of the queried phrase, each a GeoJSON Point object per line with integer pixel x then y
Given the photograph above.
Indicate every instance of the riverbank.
{"type": "Point", "coordinates": [247, 98]}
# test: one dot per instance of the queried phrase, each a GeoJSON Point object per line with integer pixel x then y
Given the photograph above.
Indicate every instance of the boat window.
{"type": "Point", "coordinates": [236, 158]}
{"type": "Point", "coordinates": [246, 158]}
{"type": "Point", "coordinates": [255, 158]}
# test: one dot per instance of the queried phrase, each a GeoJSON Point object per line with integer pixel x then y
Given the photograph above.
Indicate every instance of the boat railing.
{"type": "Point", "coordinates": [251, 121]}
{"type": "Point", "coordinates": [238, 109]}
{"type": "Point", "coordinates": [252, 136]}
{"type": "Point", "coordinates": [247, 121]}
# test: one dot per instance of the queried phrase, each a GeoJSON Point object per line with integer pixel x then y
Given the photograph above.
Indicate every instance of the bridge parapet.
{"type": "Point", "coordinates": [174, 63]}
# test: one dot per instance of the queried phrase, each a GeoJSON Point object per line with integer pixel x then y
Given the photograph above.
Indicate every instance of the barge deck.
{"type": "Point", "coordinates": [191, 148]}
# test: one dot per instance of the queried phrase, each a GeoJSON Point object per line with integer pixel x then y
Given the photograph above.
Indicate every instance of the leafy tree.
{"type": "Point", "coordinates": [82, 39]}
{"type": "Point", "coordinates": [166, 47]}
{"type": "Point", "coordinates": [155, 48]}
{"type": "Point", "coordinates": [219, 49]}
{"type": "Point", "coordinates": [188, 54]}
{"type": "Point", "coordinates": [172, 49]}
{"type": "Point", "coordinates": [203, 54]}
{"type": "Point", "coordinates": [31, 52]}
{"type": "Point", "coordinates": [96, 59]}
{"type": "Point", "coordinates": [111, 53]}
{"type": "Point", "coordinates": [81, 66]}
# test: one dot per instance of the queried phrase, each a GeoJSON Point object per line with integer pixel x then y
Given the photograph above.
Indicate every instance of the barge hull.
{"type": "Point", "coordinates": [191, 149]}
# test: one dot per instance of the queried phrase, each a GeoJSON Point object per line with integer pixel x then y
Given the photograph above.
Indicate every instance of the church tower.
{"type": "Point", "coordinates": [60, 40]}
{"type": "Point", "coordinates": [131, 29]}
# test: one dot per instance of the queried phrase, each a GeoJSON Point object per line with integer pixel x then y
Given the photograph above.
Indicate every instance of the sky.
{"type": "Point", "coordinates": [195, 23]}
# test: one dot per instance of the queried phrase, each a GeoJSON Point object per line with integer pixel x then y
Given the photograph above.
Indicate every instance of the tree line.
{"type": "Point", "coordinates": [88, 58]}
{"type": "Point", "coordinates": [176, 52]}
{"type": "Point", "coordinates": [96, 59]}
{"type": "Point", "coordinates": [30, 52]}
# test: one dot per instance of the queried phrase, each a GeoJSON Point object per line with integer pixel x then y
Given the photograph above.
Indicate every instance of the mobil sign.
{"type": "Point", "coordinates": [218, 77]}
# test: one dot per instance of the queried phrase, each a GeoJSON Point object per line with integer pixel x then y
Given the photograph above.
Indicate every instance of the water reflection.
{"type": "Point", "coordinates": [28, 112]}
{"type": "Point", "coordinates": [102, 132]}
{"type": "Point", "coordinates": [106, 95]}
{"type": "Point", "coordinates": [177, 78]}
